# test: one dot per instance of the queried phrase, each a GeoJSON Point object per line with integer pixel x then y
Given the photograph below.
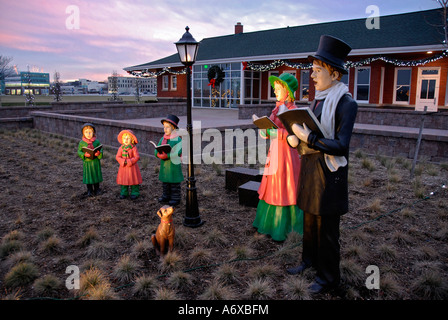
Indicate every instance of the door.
{"type": "Point", "coordinates": [427, 89]}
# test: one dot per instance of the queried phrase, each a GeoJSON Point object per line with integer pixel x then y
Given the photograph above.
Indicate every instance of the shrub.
{"type": "Point", "coordinates": [144, 286]}
{"type": "Point", "coordinates": [296, 288]}
{"type": "Point", "coordinates": [126, 269]}
{"type": "Point", "coordinates": [200, 256]}
{"type": "Point", "coordinates": [165, 294]}
{"type": "Point", "coordinates": [9, 247]}
{"type": "Point", "coordinates": [172, 261]}
{"type": "Point", "coordinates": [180, 280]}
{"type": "Point", "coordinates": [430, 285]}
{"type": "Point", "coordinates": [217, 291]}
{"type": "Point", "coordinates": [93, 285]}
{"type": "Point", "coordinates": [21, 275]}
{"type": "Point", "coordinates": [90, 236]}
{"type": "Point", "coordinates": [259, 289]}
{"type": "Point", "coordinates": [48, 285]}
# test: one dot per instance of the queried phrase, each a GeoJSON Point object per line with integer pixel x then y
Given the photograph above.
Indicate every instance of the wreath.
{"type": "Point", "coordinates": [215, 76]}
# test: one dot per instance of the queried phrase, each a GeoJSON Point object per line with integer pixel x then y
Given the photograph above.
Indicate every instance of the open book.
{"type": "Point", "coordinates": [264, 122]}
{"type": "Point", "coordinates": [162, 148]}
{"type": "Point", "coordinates": [300, 116]}
{"type": "Point", "coordinates": [92, 151]}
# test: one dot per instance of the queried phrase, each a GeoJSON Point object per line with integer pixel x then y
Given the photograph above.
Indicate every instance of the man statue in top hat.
{"type": "Point", "coordinates": [323, 194]}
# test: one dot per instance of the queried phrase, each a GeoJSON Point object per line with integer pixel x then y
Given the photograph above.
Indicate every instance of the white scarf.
{"type": "Point", "coordinates": [332, 96]}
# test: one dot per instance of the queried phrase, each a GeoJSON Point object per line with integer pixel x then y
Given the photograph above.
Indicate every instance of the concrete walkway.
{"type": "Point", "coordinates": [210, 118]}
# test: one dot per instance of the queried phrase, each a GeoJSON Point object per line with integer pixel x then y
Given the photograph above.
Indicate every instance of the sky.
{"type": "Point", "coordinates": [92, 39]}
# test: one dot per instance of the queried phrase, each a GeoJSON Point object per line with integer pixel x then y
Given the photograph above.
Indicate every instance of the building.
{"type": "Point", "coordinates": [128, 85]}
{"type": "Point", "coordinates": [36, 83]}
{"type": "Point", "coordinates": [402, 63]}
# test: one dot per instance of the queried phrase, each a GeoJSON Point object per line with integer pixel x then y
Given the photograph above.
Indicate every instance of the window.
{"type": "Point", "coordinates": [295, 76]}
{"type": "Point", "coordinates": [362, 84]}
{"type": "Point", "coordinates": [305, 85]}
{"type": "Point", "coordinates": [344, 79]}
{"type": "Point", "coordinates": [271, 90]}
{"type": "Point", "coordinates": [402, 85]}
{"type": "Point", "coordinates": [173, 83]}
{"type": "Point", "coordinates": [226, 95]}
{"type": "Point", "coordinates": [164, 83]}
{"type": "Point", "coordinates": [252, 87]}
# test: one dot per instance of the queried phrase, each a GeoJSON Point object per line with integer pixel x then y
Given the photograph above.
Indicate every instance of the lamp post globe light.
{"type": "Point", "coordinates": [187, 47]}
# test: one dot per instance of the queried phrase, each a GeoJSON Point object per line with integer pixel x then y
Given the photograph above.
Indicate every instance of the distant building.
{"type": "Point", "coordinates": [37, 83]}
{"type": "Point", "coordinates": [127, 85]}
{"type": "Point", "coordinates": [84, 86]}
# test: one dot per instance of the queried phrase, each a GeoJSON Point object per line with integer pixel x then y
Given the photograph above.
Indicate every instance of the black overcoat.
{"type": "Point", "coordinates": [321, 191]}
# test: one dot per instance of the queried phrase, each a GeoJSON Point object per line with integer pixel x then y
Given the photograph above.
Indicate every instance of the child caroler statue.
{"type": "Point", "coordinates": [277, 212]}
{"type": "Point", "coordinates": [128, 173]}
{"type": "Point", "coordinates": [170, 161]}
{"type": "Point", "coordinates": [90, 151]}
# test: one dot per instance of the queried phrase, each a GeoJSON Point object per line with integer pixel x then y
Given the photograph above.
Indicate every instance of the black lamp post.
{"type": "Point", "coordinates": [187, 47]}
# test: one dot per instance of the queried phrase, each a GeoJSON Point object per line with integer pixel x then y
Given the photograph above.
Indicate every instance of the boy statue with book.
{"type": "Point", "coordinates": [323, 193]}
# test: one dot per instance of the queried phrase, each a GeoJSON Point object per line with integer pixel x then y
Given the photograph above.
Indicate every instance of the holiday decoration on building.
{"type": "Point", "coordinates": [349, 64]}
{"type": "Point", "coordinates": [146, 73]}
{"type": "Point", "coordinates": [215, 76]}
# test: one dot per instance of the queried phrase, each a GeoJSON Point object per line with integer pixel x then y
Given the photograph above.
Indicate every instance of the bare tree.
{"type": "Point", "coordinates": [6, 70]}
{"type": "Point", "coordinates": [113, 87]}
{"type": "Point", "coordinates": [138, 89]}
{"type": "Point", "coordinates": [29, 96]}
{"type": "Point", "coordinates": [56, 89]}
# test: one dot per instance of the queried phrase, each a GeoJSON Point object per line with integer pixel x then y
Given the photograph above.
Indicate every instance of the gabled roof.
{"type": "Point", "coordinates": [397, 33]}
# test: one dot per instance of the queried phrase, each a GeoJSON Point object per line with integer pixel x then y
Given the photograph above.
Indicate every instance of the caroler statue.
{"type": "Point", "coordinates": [90, 151]}
{"type": "Point", "coordinates": [127, 156]}
{"type": "Point", "coordinates": [323, 194]}
{"type": "Point", "coordinates": [169, 151]}
{"type": "Point", "coordinates": [277, 210]}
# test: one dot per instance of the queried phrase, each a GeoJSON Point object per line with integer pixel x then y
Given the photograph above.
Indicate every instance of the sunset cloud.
{"type": "Point", "coordinates": [114, 34]}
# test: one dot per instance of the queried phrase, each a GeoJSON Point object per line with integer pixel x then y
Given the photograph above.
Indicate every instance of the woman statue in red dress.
{"type": "Point", "coordinates": [277, 210]}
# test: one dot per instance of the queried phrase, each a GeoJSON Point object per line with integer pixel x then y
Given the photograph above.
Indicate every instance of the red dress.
{"type": "Point", "coordinates": [129, 174]}
{"type": "Point", "coordinates": [282, 169]}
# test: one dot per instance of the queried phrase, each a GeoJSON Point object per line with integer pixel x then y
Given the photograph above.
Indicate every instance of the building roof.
{"type": "Point", "coordinates": [408, 32]}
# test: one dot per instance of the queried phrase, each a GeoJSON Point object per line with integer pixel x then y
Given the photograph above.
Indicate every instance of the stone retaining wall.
{"type": "Point", "coordinates": [107, 116]}
{"type": "Point", "coordinates": [107, 129]}
{"type": "Point", "coordinates": [377, 116]}
{"type": "Point", "coordinates": [400, 144]}
{"type": "Point", "coordinates": [432, 148]}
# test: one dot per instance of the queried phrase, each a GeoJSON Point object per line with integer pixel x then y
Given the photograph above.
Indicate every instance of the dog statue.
{"type": "Point", "coordinates": [163, 240]}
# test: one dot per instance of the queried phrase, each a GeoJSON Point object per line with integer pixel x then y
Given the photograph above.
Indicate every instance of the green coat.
{"type": "Point", "coordinates": [171, 172]}
{"type": "Point", "coordinates": [91, 169]}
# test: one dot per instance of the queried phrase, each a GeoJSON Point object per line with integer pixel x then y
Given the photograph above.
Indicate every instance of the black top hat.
{"type": "Point", "coordinates": [333, 51]}
{"type": "Point", "coordinates": [171, 118]}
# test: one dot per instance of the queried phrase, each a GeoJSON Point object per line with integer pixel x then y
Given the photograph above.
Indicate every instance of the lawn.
{"type": "Point", "coordinates": [47, 224]}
